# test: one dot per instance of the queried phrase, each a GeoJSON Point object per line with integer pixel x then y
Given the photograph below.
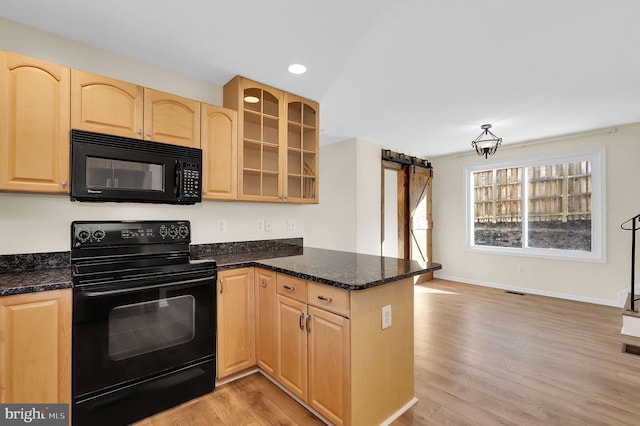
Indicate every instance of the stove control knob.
{"type": "Point", "coordinates": [163, 231]}
{"type": "Point", "coordinates": [99, 234]}
{"type": "Point", "coordinates": [83, 235]}
{"type": "Point", "coordinates": [173, 232]}
{"type": "Point", "coordinates": [183, 231]}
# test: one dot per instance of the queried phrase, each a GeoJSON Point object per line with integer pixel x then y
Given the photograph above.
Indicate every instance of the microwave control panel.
{"type": "Point", "coordinates": [191, 180]}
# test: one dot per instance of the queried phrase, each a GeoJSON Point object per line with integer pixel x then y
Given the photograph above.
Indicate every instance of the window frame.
{"type": "Point", "coordinates": [598, 205]}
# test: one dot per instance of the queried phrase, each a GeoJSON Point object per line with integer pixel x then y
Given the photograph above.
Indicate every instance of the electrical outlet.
{"type": "Point", "coordinates": [260, 227]}
{"type": "Point", "coordinates": [221, 226]}
{"type": "Point", "coordinates": [386, 317]}
{"type": "Point", "coordinates": [291, 225]}
{"type": "Point", "coordinates": [267, 225]}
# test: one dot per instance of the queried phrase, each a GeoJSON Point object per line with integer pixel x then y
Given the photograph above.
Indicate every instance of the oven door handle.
{"type": "Point", "coordinates": [173, 285]}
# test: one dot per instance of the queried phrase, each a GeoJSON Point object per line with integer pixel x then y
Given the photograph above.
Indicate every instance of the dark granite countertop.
{"type": "Point", "coordinates": [33, 281]}
{"type": "Point", "coordinates": [351, 271]}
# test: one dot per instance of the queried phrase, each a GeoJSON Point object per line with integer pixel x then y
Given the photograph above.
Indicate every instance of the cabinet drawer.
{"type": "Point", "coordinates": [329, 298]}
{"type": "Point", "coordinates": [293, 287]}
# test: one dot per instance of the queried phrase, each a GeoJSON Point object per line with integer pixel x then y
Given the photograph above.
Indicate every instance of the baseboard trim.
{"type": "Point", "coordinates": [400, 412]}
{"type": "Point", "coordinates": [615, 303]}
{"type": "Point", "coordinates": [298, 400]}
{"type": "Point", "coordinates": [387, 422]}
{"type": "Point", "coordinates": [235, 377]}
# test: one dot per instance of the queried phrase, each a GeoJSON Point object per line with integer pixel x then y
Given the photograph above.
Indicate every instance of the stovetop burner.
{"type": "Point", "coordinates": [105, 251]}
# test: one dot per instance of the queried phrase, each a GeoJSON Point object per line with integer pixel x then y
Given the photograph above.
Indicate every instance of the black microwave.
{"type": "Point", "coordinates": [115, 168]}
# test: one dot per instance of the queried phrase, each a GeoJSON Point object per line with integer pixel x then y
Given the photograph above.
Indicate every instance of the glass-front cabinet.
{"type": "Point", "coordinates": [278, 143]}
{"type": "Point", "coordinates": [301, 184]}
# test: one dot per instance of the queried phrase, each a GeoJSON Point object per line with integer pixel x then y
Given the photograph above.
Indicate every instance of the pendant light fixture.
{"type": "Point", "coordinates": [486, 143]}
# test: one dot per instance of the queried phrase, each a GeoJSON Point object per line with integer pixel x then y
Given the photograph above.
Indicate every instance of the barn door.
{"type": "Point", "coordinates": [406, 212]}
{"type": "Point", "coordinates": [419, 226]}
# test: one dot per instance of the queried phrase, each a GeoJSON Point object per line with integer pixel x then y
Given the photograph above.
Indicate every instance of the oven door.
{"type": "Point", "coordinates": [126, 331]}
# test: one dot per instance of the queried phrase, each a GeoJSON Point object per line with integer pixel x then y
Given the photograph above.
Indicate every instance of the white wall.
{"type": "Point", "coordinates": [28, 41]}
{"type": "Point", "coordinates": [368, 197]}
{"type": "Point", "coordinates": [31, 223]}
{"type": "Point", "coordinates": [332, 223]}
{"type": "Point", "coordinates": [592, 282]}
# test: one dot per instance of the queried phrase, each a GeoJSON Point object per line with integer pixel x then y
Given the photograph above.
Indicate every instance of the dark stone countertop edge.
{"type": "Point", "coordinates": [226, 262]}
{"type": "Point", "coordinates": [12, 291]}
{"type": "Point", "coordinates": [355, 287]}
{"type": "Point", "coordinates": [60, 278]}
{"type": "Point", "coordinates": [35, 281]}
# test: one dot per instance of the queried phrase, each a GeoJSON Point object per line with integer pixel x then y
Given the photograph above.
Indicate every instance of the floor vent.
{"type": "Point", "coordinates": [514, 292]}
{"type": "Point", "coordinates": [630, 349]}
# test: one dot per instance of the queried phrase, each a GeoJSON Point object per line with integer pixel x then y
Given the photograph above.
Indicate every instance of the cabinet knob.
{"type": "Point", "coordinates": [263, 284]}
{"type": "Point", "coordinates": [149, 133]}
{"type": "Point", "coordinates": [139, 131]}
{"type": "Point", "coordinates": [205, 192]}
{"type": "Point", "coordinates": [308, 324]}
{"type": "Point", "coordinates": [288, 288]}
{"type": "Point", "coordinates": [63, 184]}
{"type": "Point", "coordinates": [326, 299]}
{"type": "Point", "coordinates": [301, 321]}
{"type": "Point", "coordinates": [221, 285]}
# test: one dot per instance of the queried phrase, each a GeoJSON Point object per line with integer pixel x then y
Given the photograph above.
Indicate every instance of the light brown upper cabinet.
{"type": "Point", "coordinates": [219, 143]}
{"type": "Point", "coordinates": [301, 184]}
{"type": "Point", "coordinates": [105, 105]}
{"type": "Point", "coordinates": [278, 143]}
{"type": "Point", "coordinates": [34, 125]}
{"type": "Point", "coordinates": [171, 119]}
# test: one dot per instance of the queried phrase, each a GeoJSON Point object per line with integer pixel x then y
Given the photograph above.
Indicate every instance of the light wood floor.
{"type": "Point", "coordinates": [483, 357]}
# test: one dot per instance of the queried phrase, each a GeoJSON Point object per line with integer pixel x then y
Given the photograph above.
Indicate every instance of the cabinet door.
{"type": "Point", "coordinates": [236, 321]}
{"type": "Point", "coordinates": [260, 135]}
{"type": "Point", "coordinates": [35, 347]}
{"type": "Point", "coordinates": [171, 119]}
{"type": "Point", "coordinates": [105, 105]}
{"type": "Point", "coordinates": [329, 365]}
{"type": "Point", "coordinates": [34, 125]}
{"type": "Point", "coordinates": [301, 159]}
{"type": "Point", "coordinates": [291, 369]}
{"type": "Point", "coordinates": [219, 153]}
{"type": "Point", "coordinates": [266, 320]}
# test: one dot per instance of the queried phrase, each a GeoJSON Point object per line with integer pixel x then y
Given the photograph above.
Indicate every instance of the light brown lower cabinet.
{"type": "Point", "coordinates": [313, 348]}
{"type": "Point", "coordinates": [266, 320]}
{"type": "Point", "coordinates": [236, 321]}
{"type": "Point", "coordinates": [35, 347]}
{"type": "Point", "coordinates": [323, 344]}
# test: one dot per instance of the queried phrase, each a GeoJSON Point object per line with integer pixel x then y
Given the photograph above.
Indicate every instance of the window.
{"type": "Point", "coordinates": [551, 206]}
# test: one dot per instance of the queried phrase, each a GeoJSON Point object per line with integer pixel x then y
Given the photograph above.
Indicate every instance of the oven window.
{"type": "Point", "coordinates": [120, 174]}
{"type": "Point", "coordinates": [145, 327]}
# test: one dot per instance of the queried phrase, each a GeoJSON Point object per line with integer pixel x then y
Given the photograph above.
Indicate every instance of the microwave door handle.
{"type": "Point", "coordinates": [178, 191]}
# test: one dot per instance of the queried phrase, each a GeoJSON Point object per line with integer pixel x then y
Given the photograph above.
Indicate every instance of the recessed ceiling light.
{"type": "Point", "coordinates": [251, 99]}
{"type": "Point", "coordinates": [297, 69]}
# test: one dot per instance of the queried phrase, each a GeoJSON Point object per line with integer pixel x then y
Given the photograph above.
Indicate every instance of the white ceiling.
{"type": "Point", "coordinates": [418, 76]}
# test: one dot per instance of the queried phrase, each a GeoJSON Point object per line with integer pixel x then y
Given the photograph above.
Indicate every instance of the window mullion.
{"type": "Point", "coordinates": [525, 207]}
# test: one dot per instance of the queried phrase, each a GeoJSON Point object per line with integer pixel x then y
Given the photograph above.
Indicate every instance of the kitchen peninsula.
{"type": "Point", "coordinates": [343, 343]}
{"type": "Point", "coordinates": [317, 316]}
